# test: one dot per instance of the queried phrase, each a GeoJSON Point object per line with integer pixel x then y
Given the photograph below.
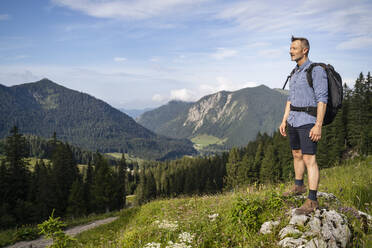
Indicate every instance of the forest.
{"type": "Point", "coordinates": [30, 194]}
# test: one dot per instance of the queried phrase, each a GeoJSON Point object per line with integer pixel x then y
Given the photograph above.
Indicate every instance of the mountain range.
{"type": "Point", "coordinates": [44, 107]}
{"type": "Point", "coordinates": [223, 119]}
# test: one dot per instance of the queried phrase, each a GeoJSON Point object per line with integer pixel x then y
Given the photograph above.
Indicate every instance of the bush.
{"type": "Point", "coordinates": [26, 233]}
{"type": "Point", "coordinates": [52, 228]}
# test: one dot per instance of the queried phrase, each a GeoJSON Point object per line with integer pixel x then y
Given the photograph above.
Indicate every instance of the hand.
{"type": "Point", "coordinates": [315, 133]}
{"type": "Point", "coordinates": [282, 128]}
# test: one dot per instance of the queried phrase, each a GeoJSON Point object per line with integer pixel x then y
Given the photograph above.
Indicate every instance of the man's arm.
{"type": "Point", "coordinates": [316, 132]}
{"type": "Point", "coordinates": [284, 121]}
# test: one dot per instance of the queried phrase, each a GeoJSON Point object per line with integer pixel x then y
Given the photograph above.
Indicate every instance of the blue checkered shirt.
{"type": "Point", "coordinates": [302, 95]}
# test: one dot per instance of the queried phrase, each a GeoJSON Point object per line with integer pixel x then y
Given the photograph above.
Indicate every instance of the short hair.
{"type": "Point", "coordinates": [304, 43]}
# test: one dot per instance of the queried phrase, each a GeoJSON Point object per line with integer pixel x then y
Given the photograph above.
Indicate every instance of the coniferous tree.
{"type": "Point", "coordinates": [88, 189]}
{"type": "Point", "coordinates": [64, 173]}
{"type": "Point", "coordinates": [76, 204]}
{"type": "Point", "coordinates": [102, 190]}
{"type": "Point", "coordinates": [270, 172]}
{"type": "Point", "coordinates": [18, 175]}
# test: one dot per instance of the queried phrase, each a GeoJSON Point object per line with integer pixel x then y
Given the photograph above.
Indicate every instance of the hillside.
{"type": "Point", "coordinates": [44, 107]}
{"type": "Point", "coordinates": [233, 219]}
{"type": "Point", "coordinates": [226, 118]}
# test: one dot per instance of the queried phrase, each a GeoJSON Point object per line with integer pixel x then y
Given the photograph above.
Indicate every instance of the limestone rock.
{"type": "Point", "coordinates": [288, 230]}
{"type": "Point", "coordinates": [268, 226]}
{"type": "Point", "coordinates": [324, 228]}
{"type": "Point", "coordinates": [290, 242]}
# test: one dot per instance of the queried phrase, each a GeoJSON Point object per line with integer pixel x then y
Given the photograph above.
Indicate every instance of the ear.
{"type": "Point", "coordinates": [305, 50]}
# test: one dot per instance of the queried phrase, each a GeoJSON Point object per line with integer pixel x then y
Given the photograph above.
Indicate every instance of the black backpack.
{"type": "Point", "coordinates": [335, 92]}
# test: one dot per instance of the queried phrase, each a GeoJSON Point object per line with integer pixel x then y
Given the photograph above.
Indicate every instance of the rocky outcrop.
{"type": "Point", "coordinates": [325, 228]}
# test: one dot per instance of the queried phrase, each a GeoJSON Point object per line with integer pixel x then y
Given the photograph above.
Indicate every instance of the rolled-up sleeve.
{"type": "Point", "coordinates": [320, 84]}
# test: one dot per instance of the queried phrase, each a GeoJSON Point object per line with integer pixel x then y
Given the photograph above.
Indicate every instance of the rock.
{"type": "Point", "coordinates": [335, 228]}
{"type": "Point", "coordinates": [298, 220]}
{"type": "Point", "coordinates": [316, 243]}
{"type": "Point", "coordinates": [268, 226]}
{"type": "Point", "coordinates": [324, 228]}
{"type": "Point", "coordinates": [289, 230]}
{"type": "Point", "coordinates": [292, 242]}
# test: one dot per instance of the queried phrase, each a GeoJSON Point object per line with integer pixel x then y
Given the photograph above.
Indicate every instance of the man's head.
{"type": "Point", "coordinates": [299, 50]}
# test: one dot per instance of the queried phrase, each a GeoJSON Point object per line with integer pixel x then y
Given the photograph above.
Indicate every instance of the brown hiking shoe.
{"type": "Point", "coordinates": [295, 190]}
{"type": "Point", "coordinates": [308, 207]}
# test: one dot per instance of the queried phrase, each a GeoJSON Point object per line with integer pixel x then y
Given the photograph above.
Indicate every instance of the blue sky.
{"type": "Point", "coordinates": [143, 53]}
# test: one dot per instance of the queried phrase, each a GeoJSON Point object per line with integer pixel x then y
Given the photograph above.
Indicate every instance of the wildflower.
{"type": "Point", "coordinates": [152, 245]}
{"type": "Point", "coordinates": [169, 225]}
{"type": "Point", "coordinates": [213, 217]}
{"type": "Point", "coordinates": [186, 237]}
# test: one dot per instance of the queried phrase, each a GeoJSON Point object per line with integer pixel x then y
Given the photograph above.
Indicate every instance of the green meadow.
{"type": "Point", "coordinates": [231, 219]}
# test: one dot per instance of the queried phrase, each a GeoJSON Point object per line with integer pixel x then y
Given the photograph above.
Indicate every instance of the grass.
{"type": "Point", "coordinates": [128, 158]}
{"type": "Point", "coordinates": [231, 219]}
{"type": "Point", "coordinates": [205, 140]}
{"type": "Point", "coordinates": [29, 232]}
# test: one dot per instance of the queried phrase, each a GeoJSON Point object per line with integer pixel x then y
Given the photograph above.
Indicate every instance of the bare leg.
{"type": "Point", "coordinates": [299, 165]}
{"type": "Point", "coordinates": [312, 171]}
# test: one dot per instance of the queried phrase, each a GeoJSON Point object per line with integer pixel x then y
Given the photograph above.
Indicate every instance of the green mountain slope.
{"type": "Point", "coordinates": [234, 118]}
{"type": "Point", "coordinates": [44, 107]}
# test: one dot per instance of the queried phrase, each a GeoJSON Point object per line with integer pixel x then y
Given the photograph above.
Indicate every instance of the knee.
{"type": "Point", "coordinates": [297, 154]}
{"type": "Point", "coordinates": [309, 160]}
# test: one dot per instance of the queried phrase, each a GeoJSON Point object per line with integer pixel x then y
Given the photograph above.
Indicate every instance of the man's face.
{"type": "Point", "coordinates": [296, 51]}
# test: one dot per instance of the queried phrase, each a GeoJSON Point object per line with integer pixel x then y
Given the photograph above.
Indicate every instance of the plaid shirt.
{"type": "Point", "coordinates": [302, 95]}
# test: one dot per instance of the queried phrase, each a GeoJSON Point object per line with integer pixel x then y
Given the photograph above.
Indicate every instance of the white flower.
{"type": "Point", "coordinates": [177, 245]}
{"type": "Point", "coordinates": [165, 224]}
{"type": "Point", "coordinates": [186, 237]}
{"type": "Point", "coordinates": [213, 217]}
{"type": "Point", "coordinates": [152, 245]}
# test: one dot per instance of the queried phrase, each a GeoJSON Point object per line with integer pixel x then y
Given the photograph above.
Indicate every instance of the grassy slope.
{"type": "Point", "coordinates": [137, 227]}
{"type": "Point", "coordinates": [204, 140]}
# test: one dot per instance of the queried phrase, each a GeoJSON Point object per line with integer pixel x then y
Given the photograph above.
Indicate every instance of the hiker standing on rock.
{"type": "Point", "coordinates": [304, 127]}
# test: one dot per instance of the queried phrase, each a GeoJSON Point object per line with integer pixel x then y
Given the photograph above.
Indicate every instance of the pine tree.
{"type": "Point", "coordinates": [270, 171]}
{"type": "Point", "coordinates": [76, 205]}
{"type": "Point", "coordinates": [88, 189]}
{"type": "Point", "coordinates": [64, 173]}
{"type": "Point", "coordinates": [102, 190]}
{"type": "Point", "coordinates": [18, 175]}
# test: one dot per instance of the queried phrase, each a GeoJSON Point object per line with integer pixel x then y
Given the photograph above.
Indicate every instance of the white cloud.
{"type": "Point", "coordinates": [223, 83]}
{"type": "Point", "coordinates": [139, 9]}
{"type": "Point", "coordinates": [271, 53]}
{"type": "Point", "coordinates": [223, 53]}
{"type": "Point", "coordinates": [333, 16]}
{"type": "Point", "coordinates": [4, 17]}
{"type": "Point", "coordinates": [158, 98]}
{"type": "Point", "coordinates": [182, 94]}
{"type": "Point", "coordinates": [356, 43]}
{"type": "Point", "coordinates": [119, 59]}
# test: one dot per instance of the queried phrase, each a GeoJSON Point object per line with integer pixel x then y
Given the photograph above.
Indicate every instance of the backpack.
{"type": "Point", "coordinates": [335, 92]}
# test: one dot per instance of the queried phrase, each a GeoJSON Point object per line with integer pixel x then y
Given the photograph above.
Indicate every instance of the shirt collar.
{"type": "Point", "coordinates": [300, 68]}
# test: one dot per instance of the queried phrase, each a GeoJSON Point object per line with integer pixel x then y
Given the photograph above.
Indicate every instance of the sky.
{"type": "Point", "coordinates": [135, 54]}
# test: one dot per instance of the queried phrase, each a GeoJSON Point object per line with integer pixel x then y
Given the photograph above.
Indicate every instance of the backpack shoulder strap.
{"type": "Point", "coordinates": [290, 75]}
{"type": "Point", "coordinates": [309, 72]}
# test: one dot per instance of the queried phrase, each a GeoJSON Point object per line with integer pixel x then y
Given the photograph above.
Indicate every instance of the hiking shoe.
{"type": "Point", "coordinates": [296, 190]}
{"type": "Point", "coordinates": [308, 207]}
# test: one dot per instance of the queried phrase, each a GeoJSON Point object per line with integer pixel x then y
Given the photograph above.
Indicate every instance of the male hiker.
{"type": "Point", "coordinates": [304, 129]}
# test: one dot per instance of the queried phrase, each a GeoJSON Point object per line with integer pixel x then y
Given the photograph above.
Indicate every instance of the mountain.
{"type": "Point", "coordinates": [225, 118]}
{"type": "Point", "coordinates": [134, 113]}
{"type": "Point", "coordinates": [44, 107]}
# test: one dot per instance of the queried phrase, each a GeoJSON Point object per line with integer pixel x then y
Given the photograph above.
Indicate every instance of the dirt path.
{"type": "Point", "coordinates": [41, 242]}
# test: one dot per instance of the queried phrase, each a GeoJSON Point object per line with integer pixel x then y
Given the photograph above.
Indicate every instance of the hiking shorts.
{"type": "Point", "coordinates": [299, 139]}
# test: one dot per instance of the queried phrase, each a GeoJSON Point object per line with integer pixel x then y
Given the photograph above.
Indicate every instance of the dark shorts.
{"type": "Point", "coordinates": [299, 139]}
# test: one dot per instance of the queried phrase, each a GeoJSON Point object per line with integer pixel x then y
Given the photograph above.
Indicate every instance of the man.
{"type": "Point", "coordinates": [305, 130]}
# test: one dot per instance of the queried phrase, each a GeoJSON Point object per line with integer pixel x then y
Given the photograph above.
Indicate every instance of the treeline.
{"type": "Point", "coordinates": [268, 159]}
{"type": "Point", "coordinates": [38, 147]}
{"type": "Point", "coordinates": [29, 195]}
